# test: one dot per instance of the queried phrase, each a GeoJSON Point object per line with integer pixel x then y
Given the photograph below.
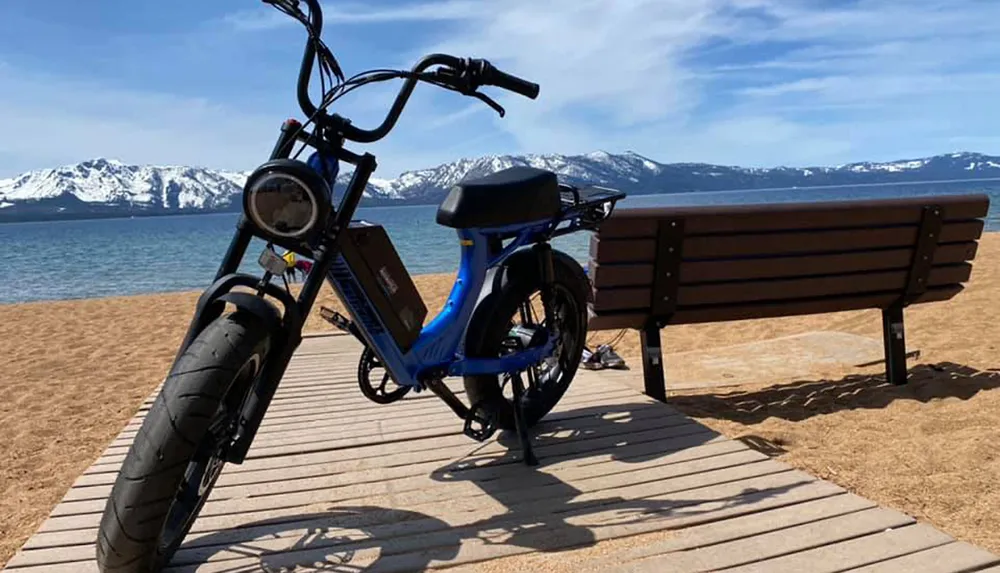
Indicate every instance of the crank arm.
{"type": "Point", "coordinates": [442, 391]}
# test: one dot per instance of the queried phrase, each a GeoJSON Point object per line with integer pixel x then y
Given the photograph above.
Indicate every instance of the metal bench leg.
{"type": "Point", "coordinates": [652, 362]}
{"type": "Point", "coordinates": [894, 338]}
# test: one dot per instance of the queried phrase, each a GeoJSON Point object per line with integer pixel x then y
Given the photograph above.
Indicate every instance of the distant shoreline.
{"type": "Point", "coordinates": [379, 203]}
{"type": "Point", "coordinates": [47, 218]}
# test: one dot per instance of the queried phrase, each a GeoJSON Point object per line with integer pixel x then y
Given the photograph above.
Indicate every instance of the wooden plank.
{"type": "Point", "coordinates": [321, 432]}
{"type": "Point", "coordinates": [855, 553]}
{"type": "Point", "coordinates": [407, 407]}
{"type": "Point", "coordinates": [465, 501]}
{"type": "Point", "coordinates": [474, 454]}
{"type": "Point", "coordinates": [610, 275]}
{"type": "Point", "coordinates": [772, 544]}
{"type": "Point", "coordinates": [613, 320]}
{"type": "Point", "coordinates": [816, 306]}
{"type": "Point", "coordinates": [682, 463]}
{"type": "Point", "coordinates": [72, 567]}
{"type": "Point", "coordinates": [675, 450]}
{"type": "Point", "coordinates": [572, 405]}
{"type": "Point", "coordinates": [715, 219]}
{"type": "Point", "coordinates": [718, 247]}
{"type": "Point", "coordinates": [787, 267]}
{"type": "Point", "coordinates": [280, 482]}
{"type": "Point", "coordinates": [714, 533]}
{"type": "Point", "coordinates": [318, 431]}
{"type": "Point", "coordinates": [365, 410]}
{"type": "Point", "coordinates": [517, 503]}
{"type": "Point", "coordinates": [733, 246]}
{"type": "Point", "coordinates": [957, 557]}
{"type": "Point", "coordinates": [95, 503]}
{"type": "Point", "coordinates": [538, 488]}
{"type": "Point", "coordinates": [618, 299]}
{"type": "Point", "coordinates": [347, 491]}
{"type": "Point", "coordinates": [611, 251]}
{"type": "Point", "coordinates": [388, 455]}
{"type": "Point", "coordinates": [639, 274]}
{"type": "Point", "coordinates": [550, 530]}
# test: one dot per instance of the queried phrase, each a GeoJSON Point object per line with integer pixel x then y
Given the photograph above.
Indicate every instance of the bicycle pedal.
{"type": "Point", "coordinates": [479, 423]}
{"type": "Point", "coordinates": [335, 318]}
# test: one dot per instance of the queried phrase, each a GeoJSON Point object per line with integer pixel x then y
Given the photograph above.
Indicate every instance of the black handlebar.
{"type": "Point", "coordinates": [479, 72]}
{"type": "Point", "coordinates": [494, 77]}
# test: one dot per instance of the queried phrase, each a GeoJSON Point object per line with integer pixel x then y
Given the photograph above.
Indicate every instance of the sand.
{"type": "Point", "coordinates": [74, 372]}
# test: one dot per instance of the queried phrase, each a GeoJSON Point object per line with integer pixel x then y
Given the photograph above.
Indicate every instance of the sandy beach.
{"type": "Point", "coordinates": [75, 371]}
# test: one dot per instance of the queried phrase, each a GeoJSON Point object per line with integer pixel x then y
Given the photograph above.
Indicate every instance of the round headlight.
{"type": "Point", "coordinates": [284, 201]}
{"type": "Point", "coordinates": [282, 205]}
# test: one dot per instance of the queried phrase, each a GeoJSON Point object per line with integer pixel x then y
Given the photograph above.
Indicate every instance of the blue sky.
{"type": "Point", "coordinates": [748, 82]}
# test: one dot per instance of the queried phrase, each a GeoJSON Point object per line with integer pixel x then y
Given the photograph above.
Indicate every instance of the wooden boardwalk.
{"type": "Point", "coordinates": [336, 483]}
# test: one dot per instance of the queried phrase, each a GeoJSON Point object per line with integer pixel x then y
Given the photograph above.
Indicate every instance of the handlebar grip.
{"type": "Point", "coordinates": [495, 77]}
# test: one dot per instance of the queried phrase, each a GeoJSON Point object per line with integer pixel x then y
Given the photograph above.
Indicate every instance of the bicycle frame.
{"type": "Point", "coordinates": [436, 352]}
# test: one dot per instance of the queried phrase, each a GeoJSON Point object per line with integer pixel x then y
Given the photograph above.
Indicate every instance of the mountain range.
{"type": "Point", "coordinates": [110, 188]}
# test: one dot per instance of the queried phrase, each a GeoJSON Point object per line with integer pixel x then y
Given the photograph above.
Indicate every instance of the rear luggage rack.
{"type": "Point", "coordinates": [592, 204]}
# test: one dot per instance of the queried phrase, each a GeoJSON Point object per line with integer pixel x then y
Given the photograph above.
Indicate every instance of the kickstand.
{"type": "Point", "coordinates": [519, 422]}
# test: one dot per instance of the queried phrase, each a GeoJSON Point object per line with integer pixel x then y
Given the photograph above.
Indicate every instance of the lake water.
{"type": "Point", "coordinates": [98, 258]}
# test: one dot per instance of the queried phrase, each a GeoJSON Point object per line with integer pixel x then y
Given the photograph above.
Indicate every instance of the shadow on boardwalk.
{"type": "Point", "coordinates": [523, 507]}
{"type": "Point", "coordinates": [803, 400]}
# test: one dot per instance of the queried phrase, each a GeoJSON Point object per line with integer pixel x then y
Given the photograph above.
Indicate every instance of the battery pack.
{"type": "Point", "coordinates": [366, 247]}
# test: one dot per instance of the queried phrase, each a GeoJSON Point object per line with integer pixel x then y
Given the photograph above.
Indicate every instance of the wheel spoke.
{"type": "Point", "coordinates": [385, 380]}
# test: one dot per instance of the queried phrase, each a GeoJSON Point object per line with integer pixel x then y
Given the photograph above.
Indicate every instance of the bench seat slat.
{"type": "Point", "coordinates": [718, 219]}
{"type": "Point", "coordinates": [725, 313]}
{"type": "Point", "coordinates": [756, 245]}
{"type": "Point", "coordinates": [790, 290]}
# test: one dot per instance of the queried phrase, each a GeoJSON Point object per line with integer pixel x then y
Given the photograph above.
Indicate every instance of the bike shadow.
{"type": "Point", "coordinates": [603, 471]}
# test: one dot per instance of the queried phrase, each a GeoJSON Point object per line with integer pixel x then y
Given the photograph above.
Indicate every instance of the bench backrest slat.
{"type": "Point", "coordinates": [630, 298]}
{"type": "Point", "coordinates": [723, 219]}
{"type": "Point", "coordinates": [709, 247]}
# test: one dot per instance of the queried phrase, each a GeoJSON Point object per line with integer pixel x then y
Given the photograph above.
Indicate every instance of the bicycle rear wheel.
{"type": "Point", "coordinates": [517, 303]}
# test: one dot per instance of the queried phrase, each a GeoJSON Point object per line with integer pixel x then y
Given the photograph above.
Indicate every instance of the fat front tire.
{"type": "Point", "coordinates": [175, 457]}
{"type": "Point", "coordinates": [503, 309]}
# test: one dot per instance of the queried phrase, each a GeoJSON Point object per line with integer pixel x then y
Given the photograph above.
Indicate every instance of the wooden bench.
{"type": "Point", "coordinates": [654, 267]}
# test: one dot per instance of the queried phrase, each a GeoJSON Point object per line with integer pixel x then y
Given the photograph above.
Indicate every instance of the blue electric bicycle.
{"type": "Point", "coordinates": [516, 318]}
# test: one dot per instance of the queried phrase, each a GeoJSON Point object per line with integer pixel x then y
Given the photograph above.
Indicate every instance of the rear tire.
{"type": "Point", "coordinates": [174, 459]}
{"type": "Point", "coordinates": [501, 309]}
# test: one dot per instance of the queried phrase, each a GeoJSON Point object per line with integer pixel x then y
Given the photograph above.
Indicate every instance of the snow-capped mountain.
{"type": "Point", "coordinates": [103, 187]}
{"type": "Point", "coordinates": [598, 168]}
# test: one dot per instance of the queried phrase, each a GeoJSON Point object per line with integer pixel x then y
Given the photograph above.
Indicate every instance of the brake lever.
{"type": "Point", "coordinates": [455, 80]}
{"type": "Point", "coordinates": [490, 102]}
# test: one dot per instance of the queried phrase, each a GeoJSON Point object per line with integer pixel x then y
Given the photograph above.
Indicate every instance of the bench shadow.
{"type": "Point", "coordinates": [802, 400]}
{"type": "Point", "coordinates": [528, 507]}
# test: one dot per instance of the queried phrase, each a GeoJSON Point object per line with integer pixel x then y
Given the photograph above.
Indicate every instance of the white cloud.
{"type": "Point", "coordinates": [743, 81]}
{"type": "Point", "coordinates": [729, 81]}
{"type": "Point", "coordinates": [347, 13]}
{"type": "Point", "coordinates": [48, 121]}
